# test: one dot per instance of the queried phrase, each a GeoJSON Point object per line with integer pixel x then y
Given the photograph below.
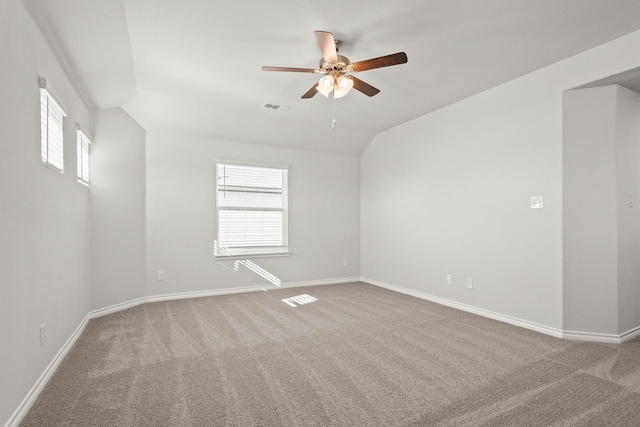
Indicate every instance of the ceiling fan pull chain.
{"type": "Point", "coordinates": [333, 110]}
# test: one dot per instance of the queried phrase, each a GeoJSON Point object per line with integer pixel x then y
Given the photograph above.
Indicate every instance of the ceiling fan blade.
{"type": "Point", "coordinates": [382, 61]}
{"type": "Point", "coordinates": [363, 87]}
{"type": "Point", "coordinates": [290, 69]}
{"type": "Point", "coordinates": [327, 46]}
{"type": "Point", "coordinates": [311, 92]}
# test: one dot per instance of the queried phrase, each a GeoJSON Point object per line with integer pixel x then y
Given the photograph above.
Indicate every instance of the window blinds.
{"type": "Point", "coordinates": [51, 116]}
{"type": "Point", "coordinates": [83, 143]}
{"type": "Point", "coordinates": [252, 206]}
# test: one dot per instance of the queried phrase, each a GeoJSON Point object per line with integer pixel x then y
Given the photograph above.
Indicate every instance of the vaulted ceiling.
{"type": "Point", "coordinates": [194, 66]}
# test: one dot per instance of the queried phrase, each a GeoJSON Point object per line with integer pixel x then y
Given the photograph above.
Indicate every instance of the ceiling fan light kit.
{"type": "Point", "coordinates": [340, 86]}
{"type": "Point", "coordinates": [335, 69]}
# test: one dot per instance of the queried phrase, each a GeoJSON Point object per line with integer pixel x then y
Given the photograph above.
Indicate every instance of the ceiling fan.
{"type": "Point", "coordinates": [336, 68]}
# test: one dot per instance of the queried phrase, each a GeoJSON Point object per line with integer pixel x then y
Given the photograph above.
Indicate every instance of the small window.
{"type": "Point", "coordinates": [83, 143]}
{"type": "Point", "coordinates": [52, 112]}
{"type": "Point", "coordinates": [252, 210]}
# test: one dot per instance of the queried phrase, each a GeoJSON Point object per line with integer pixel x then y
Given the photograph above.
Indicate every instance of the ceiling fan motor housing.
{"type": "Point", "coordinates": [338, 68]}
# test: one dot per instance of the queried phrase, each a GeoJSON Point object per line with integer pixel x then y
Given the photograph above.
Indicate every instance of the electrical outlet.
{"type": "Point", "coordinates": [449, 279]}
{"type": "Point", "coordinates": [160, 274]}
{"type": "Point", "coordinates": [469, 283]}
{"type": "Point", "coordinates": [345, 263]}
{"type": "Point", "coordinates": [42, 329]}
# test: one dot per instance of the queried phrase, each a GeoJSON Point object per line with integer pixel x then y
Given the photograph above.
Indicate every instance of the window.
{"type": "Point", "coordinates": [83, 143]}
{"type": "Point", "coordinates": [51, 113]}
{"type": "Point", "coordinates": [252, 210]}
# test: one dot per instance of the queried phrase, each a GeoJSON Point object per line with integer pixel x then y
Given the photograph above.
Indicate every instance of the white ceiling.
{"type": "Point", "coordinates": [194, 66]}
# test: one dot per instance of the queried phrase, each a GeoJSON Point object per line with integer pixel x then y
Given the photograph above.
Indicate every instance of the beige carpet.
{"type": "Point", "coordinates": [358, 356]}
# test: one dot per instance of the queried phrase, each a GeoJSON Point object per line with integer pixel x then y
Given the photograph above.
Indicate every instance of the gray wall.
{"type": "Point", "coordinates": [181, 218]}
{"type": "Point", "coordinates": [44, 215]}
{"type": "Point", "coordinates": [448, 193]}
{"type": "Point", "coordinates": [117, 209]}
{"type": "Point", "coordinates": [590, 211]}
{"type": "Point", "coordinates": [628, 184]}
{"type": "Point", "coordinates": [601, 229]}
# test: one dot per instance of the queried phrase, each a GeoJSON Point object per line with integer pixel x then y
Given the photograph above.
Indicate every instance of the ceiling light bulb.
{"type": "Point", "coordinates": [345, 83]}
{"type": "Point", "coordinates": [325, 85]}
{"type": "Point", "coordinates": [343, 86]}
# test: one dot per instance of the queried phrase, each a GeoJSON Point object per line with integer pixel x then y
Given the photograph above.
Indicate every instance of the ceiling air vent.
{"type": "Point", "coordinates": [275, 107]}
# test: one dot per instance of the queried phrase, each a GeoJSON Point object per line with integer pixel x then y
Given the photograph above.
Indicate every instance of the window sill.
{"type": "Point", "coordinates": [249, 253]}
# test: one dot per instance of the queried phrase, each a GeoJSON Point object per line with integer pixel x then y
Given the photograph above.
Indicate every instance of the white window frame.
{"type": "Point", "coordinates": [52, 114]}
{"type": "Point", "coordinates": [83, 152]}
{"type": "Point", "coordinates": [237, 251]}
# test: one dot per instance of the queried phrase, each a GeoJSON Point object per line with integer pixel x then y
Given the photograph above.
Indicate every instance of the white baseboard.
{"type": "Point", "coordinates": [603, 338]}
{"type": "Point", "coordinates": [631, 334]}
{"type": "Point", "coordinates": [116, 307]}
{"type": "Point", "coordinates": [256, 288]}
{"type": "Point", "coordinates": [470, 309]}
{"type": "Point", "coordinates": [35, 391]}
{"type": "Point", "coordinates": [558, 333]}
{"type": "Point", "coordinates": [592, 337]}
